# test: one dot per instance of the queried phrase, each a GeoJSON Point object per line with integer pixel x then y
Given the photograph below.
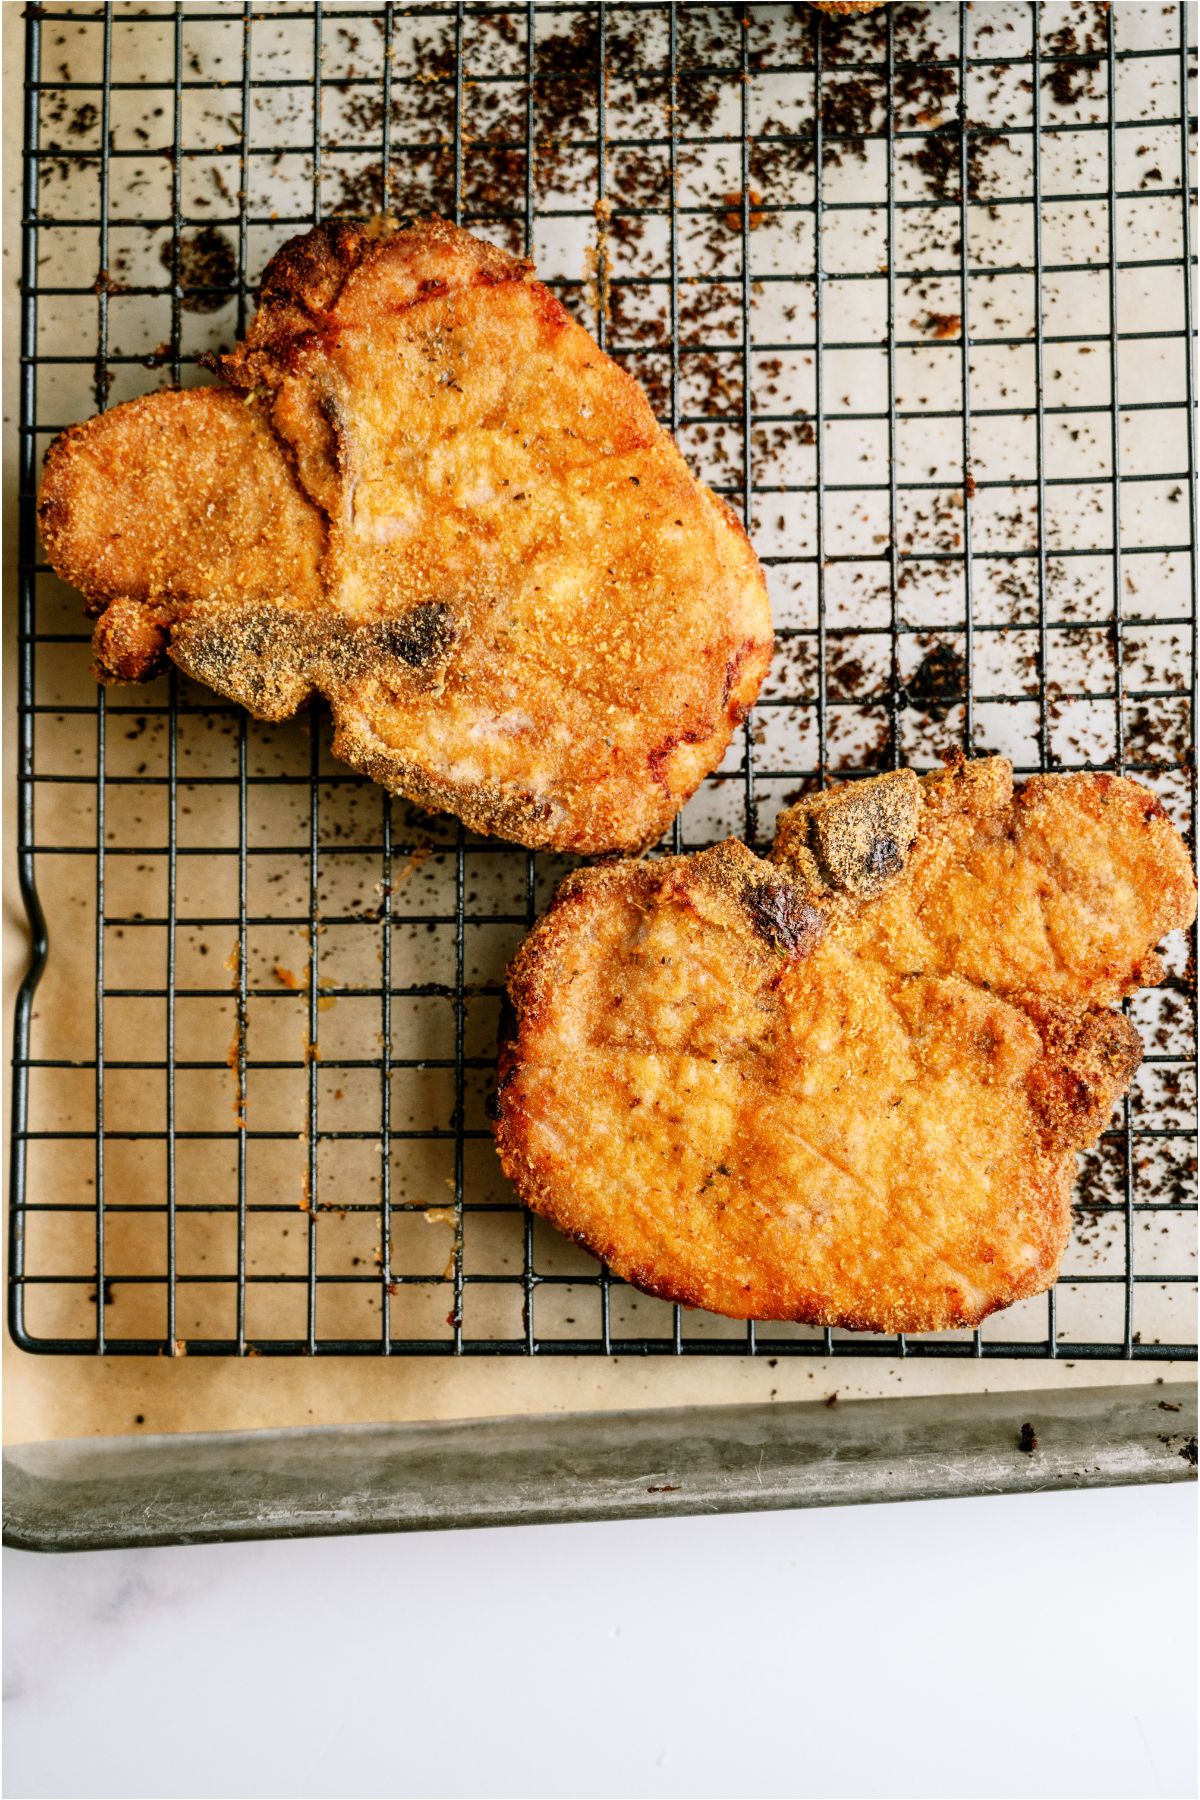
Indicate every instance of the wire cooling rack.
{"type": "Point", "coordinates": [912, 290]}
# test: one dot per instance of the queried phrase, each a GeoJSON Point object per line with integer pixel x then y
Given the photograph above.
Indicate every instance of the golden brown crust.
{"type": "Point", "coordinates": [750, 1089]}
{"type": "Point", "coordinates": [436, 502]}
{"type": "Point", "coordinates": [129, 643]}
{"type": "Point", "coordinates": [846, 6]}
{"type": "Point", "coordinates": [138, 505]}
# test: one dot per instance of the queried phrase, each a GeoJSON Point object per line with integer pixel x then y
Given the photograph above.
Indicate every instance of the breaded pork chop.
{"type": "Point", "coordinates": [428, 495]}
{"type": "Point", "coordinates": [847, 1086]}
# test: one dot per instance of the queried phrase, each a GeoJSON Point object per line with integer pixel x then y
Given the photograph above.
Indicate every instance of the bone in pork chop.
{"type": "Point", "coordinates": [428, 495]}
{"type": "Point", "coordinates": [847, 1086]}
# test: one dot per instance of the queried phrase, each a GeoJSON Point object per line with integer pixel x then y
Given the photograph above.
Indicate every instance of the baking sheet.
{"type": "Point", "coordinates": [50, 1398]}
{"type": "Point", "coordinates": [205, 1488]}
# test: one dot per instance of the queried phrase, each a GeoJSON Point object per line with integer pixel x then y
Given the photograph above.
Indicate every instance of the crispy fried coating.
{"type": "Point", "coordinates": [428, 495]}
{"type": "Point", "coordinates": [846, 1086]}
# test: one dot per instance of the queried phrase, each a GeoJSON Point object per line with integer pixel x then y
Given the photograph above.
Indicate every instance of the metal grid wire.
{"type": "Point", "coordinates": [979, 524]}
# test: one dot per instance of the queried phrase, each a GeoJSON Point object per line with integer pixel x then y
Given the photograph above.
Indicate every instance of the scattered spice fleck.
{"type": "Point", "coordinates": [207, 268]}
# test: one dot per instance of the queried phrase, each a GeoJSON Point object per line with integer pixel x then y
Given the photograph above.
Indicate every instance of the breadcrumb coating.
{"type": "Point", "coordinates": [846, 1086]}
{"type": "Point", "coordinates": [426, 494]}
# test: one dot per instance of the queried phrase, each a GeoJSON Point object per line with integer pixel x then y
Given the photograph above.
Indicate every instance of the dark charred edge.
{"type": "Point", "coordinates": [1088, 1064]}
{"type": "Point", "coordinates": [779, 916]}
{"type": "Point", "coordinates": [548, 307]}
{"type": "Point", "coordinates": [310, 271]}
{"type": "Point", "coordinates": [655, 1287]}
{"type": "Point", "coordinates": [736, 709]}
{"type": "Point", "coordinates": [507, 1034]}
{"type": "Point", "coordinates": [300, 284]}
{"type": "Point", "coordinates": [658, 758]}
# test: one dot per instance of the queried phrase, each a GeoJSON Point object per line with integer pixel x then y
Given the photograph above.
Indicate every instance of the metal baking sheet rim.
{"type": "Point", "coordinates": [216, 1487]}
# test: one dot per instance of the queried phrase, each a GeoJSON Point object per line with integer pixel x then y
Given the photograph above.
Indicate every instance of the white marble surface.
{"type": "Point", "coordinates": [1039, 1645]}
